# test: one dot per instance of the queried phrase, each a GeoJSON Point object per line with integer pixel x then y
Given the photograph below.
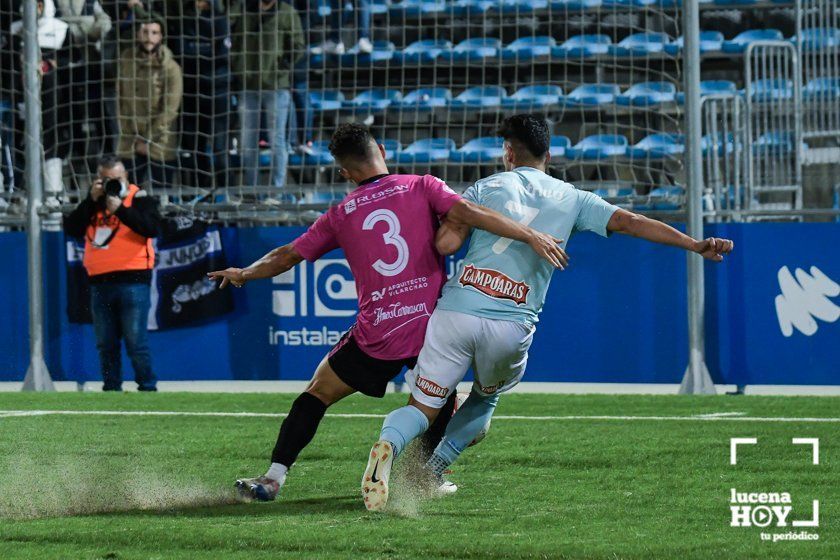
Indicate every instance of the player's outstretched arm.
{"type": "Point", "coordinates": [276, 261]}
{"type": "Point", "coordinates": [637, 225]}
{"type": "Point", "coordinates": [450, 236]}
{"type": "Point", "coordinates": [465, 212]}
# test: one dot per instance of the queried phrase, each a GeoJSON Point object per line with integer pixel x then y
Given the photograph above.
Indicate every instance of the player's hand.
{"type": "Point", "coordinates": [233, 276]}
{"type": "Point", "coordinates": [96, 190]}
{"type": "Point", "coordinates": [548, 247]}
{"type": "Point", "coordinates": [714, 248]}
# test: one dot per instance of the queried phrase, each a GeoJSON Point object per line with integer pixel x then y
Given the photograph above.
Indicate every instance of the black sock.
{"type": "Point", "coordinates": [298, 429]}
{"type": "Point", "coordinates": [430, 440]}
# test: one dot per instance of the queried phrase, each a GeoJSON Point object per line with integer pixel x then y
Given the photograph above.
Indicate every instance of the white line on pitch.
{"type": "Point", "coordinates": [696, 418]}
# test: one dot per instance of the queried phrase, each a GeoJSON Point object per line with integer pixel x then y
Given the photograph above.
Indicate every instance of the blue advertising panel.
{"type": "Point", "coordinates": [618, 314]}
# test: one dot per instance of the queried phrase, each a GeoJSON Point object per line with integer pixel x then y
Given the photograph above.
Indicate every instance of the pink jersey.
{"type": "Point", "coordinates": [387, 231]}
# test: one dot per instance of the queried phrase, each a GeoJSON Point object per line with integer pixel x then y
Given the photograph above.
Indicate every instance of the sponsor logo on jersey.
{"type": "Point", "coordinates": [431, 388]}
{"type": "Point", "coordinates": [368, 198]}
{"type": "Point", "coordinates": [396, 310]}
{"type": "Point", "coordinates": [400, 288]}
{"type": "Point", "coordinates": [495, 284]}
{"type": "Point", "coordinates": [377, 295]}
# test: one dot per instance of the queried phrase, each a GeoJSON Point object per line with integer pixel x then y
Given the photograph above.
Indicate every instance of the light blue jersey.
{"type": "Point", "coordinates": [505, 279]}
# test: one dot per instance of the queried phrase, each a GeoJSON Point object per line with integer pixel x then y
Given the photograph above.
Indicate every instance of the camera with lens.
{"type": "Point", "coordinates": [112, 187]}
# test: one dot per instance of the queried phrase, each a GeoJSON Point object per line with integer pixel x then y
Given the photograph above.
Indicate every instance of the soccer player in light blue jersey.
{"type": "Point", "coordinates": [488, 310]}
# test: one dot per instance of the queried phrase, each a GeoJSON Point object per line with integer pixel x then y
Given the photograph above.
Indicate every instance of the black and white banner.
{"type": "Point", "coordinates": [181, 293]}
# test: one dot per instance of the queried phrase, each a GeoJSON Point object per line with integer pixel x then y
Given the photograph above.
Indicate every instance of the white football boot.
{"type": "Point", "coordinates": [445, 488]}
{"type": "Point", "coordinates": [375, 479]}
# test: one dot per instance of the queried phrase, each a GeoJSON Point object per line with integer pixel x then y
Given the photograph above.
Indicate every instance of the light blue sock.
{"type": "Point", "coordinates": [462, 429]}
{"type": "Point", "coordinates": [403, 425]}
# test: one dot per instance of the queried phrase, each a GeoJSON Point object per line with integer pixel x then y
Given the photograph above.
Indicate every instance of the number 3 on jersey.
{"type": "Point", "coordinates": [390, 237]}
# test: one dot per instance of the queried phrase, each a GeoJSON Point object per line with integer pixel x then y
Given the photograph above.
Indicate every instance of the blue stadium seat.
{"type": "Point", "coordinates": [710, 41]}
{"type": "Point", "coordinates": [592, 95]}
{"type": "Point", "coordinates": [575, 5]}
{"type": "Point", "coordinates": [598, 147]}
{"type": "Point", "coordinates": [414, 8]}
{"type": "Point", "coordinates": [657, 146]}
{"type": "Point", "coordinates": [622, 3]}
{"type": "Point", "coordinates": [473, 50]}
{"type": "Point", "coordinates": [582, 46]}
{"type": "Point", "coordinates": [392, 148]}
{"type": "Point", "coordinates": [421, 52]}
{"type": "Point", "coordinates": [648, 93]}
{"type": "Point", "coordinates": [670, 197]}
{"type": "Point", "coordinates": [822, 88]}
{"type": "Point", "coordinates": [529, 48]}
{"type": "Point", "coordinates": [712, 87]}
{"type": "Point", "coordinates": [771, 89]}
{"type": "Point", "coordinates": [776, 143]}
{"type": "Point", "coordinates": [720, 143]}
{"type": "Point", "coordinates": [739, 43]}
{"type": "Point", "coordinates": [472, 7]}
{"type": "Point", "coordinates": [614, 192]}
{"type": "Point", "coordinates": [559, 145]}
{"type": "Point", "coordinates": [320, 155]}
{"type": "Point", "coordinates": [379, 6]}
{"type": "Point", "coordinates": [371, 100]}
{"type": "Point", "coordinates": [531, 98]}
{"type": "Point", "coordinates": [479, 97]}
{"type": "Point", "coordinates": [424, 99]}
{"type": "Point", "coordinates": [383, 51]}
{"type": "Point", "coordinates": [427, 150]}
{"type": "Point", "coordinates": [520, 7]}
{"type": "Point", "coordinates": [819, 38]}
{"type": "Point", "coordinates": [640, 44]}
{"type": "Point", "coordinates": [487, 149]}
{"type": "Point", "coordinates": [326, 100]}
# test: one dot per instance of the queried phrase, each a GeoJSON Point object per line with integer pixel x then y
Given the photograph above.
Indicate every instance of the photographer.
{"type": "Point", "coordinates": [117, 221]}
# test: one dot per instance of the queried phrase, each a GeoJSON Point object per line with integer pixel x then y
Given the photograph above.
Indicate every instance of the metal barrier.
{"type": "Point", "coordinates": [724, 161]}
{"type": "Point", "coordinates": [818, 49]}
{"type": "Point", "coordinates": [773, 91]}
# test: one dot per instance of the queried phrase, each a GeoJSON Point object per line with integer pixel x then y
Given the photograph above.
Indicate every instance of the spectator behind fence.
{"type": "Point", "coordinates": [118, 221]}
{"type": "Point", "coordinates": [199, 35]}
{"type": "Point", "coordinates": [267, 42]}
{"type": "Point", "coordinates": [149, 91]}
{"type": "Point", "coordinates": [9, 91]}
{"type": "Point", "coordinates": [54, 70]}
{"type": "Point", "coordinates": [339, 17]}
{"type": "Point", "coordinates": [88, 25]}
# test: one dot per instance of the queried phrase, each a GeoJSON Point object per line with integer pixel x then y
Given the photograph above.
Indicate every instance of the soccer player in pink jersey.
{"type": "Point", "coordinates": [386, 228]}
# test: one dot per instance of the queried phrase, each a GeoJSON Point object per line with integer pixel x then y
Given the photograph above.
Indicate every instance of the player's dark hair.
{"type": "Point", "coordinates": [529, 131]}
{"type": "Point", "coordinates": [109, 162]}
{"type": "Point", "coordinates": [351, 142]}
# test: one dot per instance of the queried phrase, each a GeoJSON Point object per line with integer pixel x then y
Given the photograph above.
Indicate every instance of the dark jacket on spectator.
{"type": "Point", "coordinates": [266, 45]}
{"type": "Point", "coordinates": [201, 43]}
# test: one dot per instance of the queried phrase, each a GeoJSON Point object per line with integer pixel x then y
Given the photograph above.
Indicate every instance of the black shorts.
{"type": "Point", "coordinates": [364, 373]}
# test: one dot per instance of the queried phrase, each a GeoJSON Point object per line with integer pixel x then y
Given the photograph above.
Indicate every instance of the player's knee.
{"type": "Point", "coordinates": [323, 393]}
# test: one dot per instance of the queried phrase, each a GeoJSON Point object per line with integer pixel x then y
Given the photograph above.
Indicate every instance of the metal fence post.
{"type": "Point", "coordinates": [37, 376]}
{"type": "Point", "coordinates": [696, 378]}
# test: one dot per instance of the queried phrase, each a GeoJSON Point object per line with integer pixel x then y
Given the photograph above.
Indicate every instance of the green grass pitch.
{"type": "Point", "coordinates": [160, 486]}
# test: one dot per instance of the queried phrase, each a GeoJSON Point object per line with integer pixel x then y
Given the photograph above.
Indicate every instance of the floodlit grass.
{"type": "Point", "coordinates": [126, 487]}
